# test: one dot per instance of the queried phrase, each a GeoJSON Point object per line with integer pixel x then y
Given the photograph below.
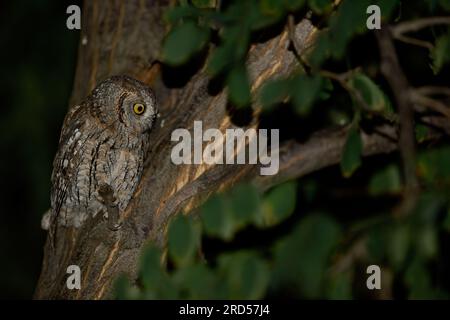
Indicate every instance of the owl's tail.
{"type": "Point", "coordinates": [48, 223]}
{"type": "Point", "coordinates": [46, 220]}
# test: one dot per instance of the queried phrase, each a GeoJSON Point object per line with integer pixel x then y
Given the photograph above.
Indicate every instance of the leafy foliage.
{"type": "Point", "coordinates": [441, 52]}
{"type": "Point", "coordinates": [243, 274]}
{"type": "Point", "coordinates": [371, 94]}
{"type": "Point", "coordinates": [313, 241]}
{"type": "Point", "coordinates": [351, 158]}
{"type": "Point", "coordinates": [189, 37]}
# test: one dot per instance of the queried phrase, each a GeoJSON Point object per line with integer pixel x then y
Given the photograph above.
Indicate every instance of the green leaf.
{"type": "Point", "coordinates": [204, 4]}
{"type": "Point", "coordinates": [349, 20]}
{"type": "Point", "coordinates": [122, 287]}
{"type": "Point", "coordinates": [294, 5]}
{"type": "Point", "coordinates": [221, 58]}
{"type": "Point", "coordinates": [326, 89]}
{"type": "Point", "coordinates": [278, 204]}
{"type": "Point", "coordinates": [322, 50]}
{"type": "Point", "coordinates": [428, 207]}
{"type": "Point", "coordinates": [376, 244]}
{"type": "Point", "coordinates": [183, 42]}
{"type": "Point", "coordinates": [433, 166]}
{"type": "Point", "coordinates": [237, 38]}
{"type": "Point", "coordinates": [399, 244]}
{"type": "Point", "coordinates": [274, 92]}
{"type": "Point", "coordinates": [156, 284]}
{"type": "Point", "coordinates": [388, 180]}
{"type": "Point", "coordinates": [217, 218]}
{"type": "Point", "coordinates": [197, 282]}
{"type": "Point", "coordinates": [305, 91]}
{"type": "Point", "coordinates": [387, 7]}
{"type": "Point", "coordinates": [245, 204]}
{"type": "Point", "coordinates": [369, 91]}
{"type": "Point", "coordinates": [440, 54]}
{"type": "Point", "coordinates": [150, 269]}
{"type": "Point", "coordinates": [427, 242]}
{"type": "Point", "coordinates": [422, 133]}
{"type": "Point", "coordinates": [239, 87]}
{"type": "Point", "coordinates": [246, 275]}
{"type": "Point", "coordinates": [310, 189]}
{"type": "Point", "coordinates": [418, 280]}
{"type": "Point", "coordinates": [340, 286]}
{"type": "Point", "coordinates": [301, 258]}
{"type": "Point", "coordinates": [320, 6]}
{"type": "Point", "coordinates": [445, 4]}
{"type": "Point", "coordinates": [351, 156]}
{"type": "Point", "coordinates": [183, 240]}
{"type": "Point", "coordinates": [256, 15]}
{"type": "Point", "coordinates": [338, 117]}
{"type": "Point", "coordinates": [185, 12]}
{"type": "Point", "coordinates": [271, 7]}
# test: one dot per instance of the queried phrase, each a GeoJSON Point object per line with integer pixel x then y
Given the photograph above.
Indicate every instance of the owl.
{"type": "Point", "coordinates": [102, 147]}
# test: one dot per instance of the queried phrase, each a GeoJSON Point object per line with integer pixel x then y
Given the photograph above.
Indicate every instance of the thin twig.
{"type": "Point", "coordinates": [399, 31]}
{"type": "Point", "coordinates": [430, 103]}
{"type": "Point", "coordinates": [342, 79]}
{"type": "Point", "coordinates": [433, 91]}
{"type": "Point", "coordinates": [298, 52]}
{"type": "Point", "coordinates": [416, 25]}
{"type": "Point", "coordinates": [416, 42]}
{"type": "Point", "coordinates": [392, 71]}
{"type": "Point", "coordinates": [439, 124]}
{"type": "Point", "coordinates": [321, 150]}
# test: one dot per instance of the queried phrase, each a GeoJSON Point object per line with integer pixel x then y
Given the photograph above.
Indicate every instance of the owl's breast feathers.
{"type": "Point", "coordinates": [91, 154]}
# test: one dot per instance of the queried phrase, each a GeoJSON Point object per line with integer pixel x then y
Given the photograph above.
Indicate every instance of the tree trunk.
{"type": "Point", "coordinates": [124, 37]}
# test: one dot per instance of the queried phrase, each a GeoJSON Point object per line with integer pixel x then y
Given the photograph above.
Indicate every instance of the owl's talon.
{"type": "Point", "coordinates": [111, 223]}
{"type": "Point", "coordinates": [114, 227]}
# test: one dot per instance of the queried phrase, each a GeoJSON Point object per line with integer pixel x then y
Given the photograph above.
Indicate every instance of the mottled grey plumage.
{"type": "Point", "coordinates": [103, 142]}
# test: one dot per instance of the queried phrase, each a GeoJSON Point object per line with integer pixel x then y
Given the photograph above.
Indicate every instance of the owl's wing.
{"type": "Point", "coordinates": [67, 158]}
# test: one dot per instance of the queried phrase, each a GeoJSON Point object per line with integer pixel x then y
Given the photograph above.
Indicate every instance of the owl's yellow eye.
{"type": "Point", "coordinates": [138, 108]}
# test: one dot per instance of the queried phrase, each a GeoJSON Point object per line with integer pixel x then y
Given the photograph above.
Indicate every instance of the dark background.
{"type": "Point", "coordinates": [37, 56]}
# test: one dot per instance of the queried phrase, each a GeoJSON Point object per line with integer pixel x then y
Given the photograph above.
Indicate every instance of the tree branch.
{"type": "Point", "coordinates": [322, 150]}
{"type": "Point", "coordinates": [433, 91]}
{"type": "Point", "coordinates": [392, 71]}
{"type": "Point", "coordinates": [416, 25]}
{"type": "Point", "coordinates": [125, 38]}
{"type": "Point", "coordinates": [399, 31]}
{"type": "Point", "coordinates": [430, 103]}
{"type": "Point", "coordinates": [165, 188]}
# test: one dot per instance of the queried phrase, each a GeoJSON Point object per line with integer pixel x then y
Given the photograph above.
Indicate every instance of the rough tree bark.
{"type": "Point", "coordinates": [124, 37]}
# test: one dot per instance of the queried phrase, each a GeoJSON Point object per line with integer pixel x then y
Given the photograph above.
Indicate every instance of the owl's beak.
{"type": "Point", "coordinates": [155, 116]}
{"type": "Point", "coordinates": [149, 128]}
